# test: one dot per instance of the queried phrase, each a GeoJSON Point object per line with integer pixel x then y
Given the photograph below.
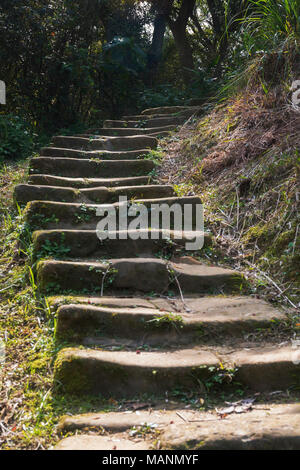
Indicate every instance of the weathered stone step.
{"type": "Point", "coordinates": [103, 155]}
{"type": "Point", "coordinates": [86, 244]}
{"type": "Point", "coordinates": [267, 427]}
{"type": "Point", "coordinates": [128, 373]}
{"type": "Point", "coordinates": [136, 274]}
{"type": "Point", "coordinates": [208, 305]}
{"type": "Point", "coordinates": [25, 193]}
{"type": "Point", "coordinates": [183, 429]}
{"type": "Point", "coordinates": [160, 135]}
{"type": "Point", "coordinates": [50, 180]}
{"type": "Point", "coordinates": [217, 316]}
{"type": "Point", "coordinates": [148, 123]}
{"type": "Point", "coordinates": [53, 215]}
{"type": "Point", "coordinates": [103, 301]}
{"type": "Point", "coordinates": [143, 118]}
{"type": "Point", "coordinates": [127, 131]}
{"type": "Point", "coordinates": [74, 167]}
{"type": "Point", "coordinates": [184, 110]}
{"type": "Point", "coordinates": [111, 143]}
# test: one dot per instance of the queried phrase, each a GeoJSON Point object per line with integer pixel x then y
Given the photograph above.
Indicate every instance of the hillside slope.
{"type": "Point", "coordinates": [243, 158]}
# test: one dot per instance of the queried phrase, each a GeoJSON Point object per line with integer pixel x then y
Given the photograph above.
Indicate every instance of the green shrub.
{"type": "Point", "coordinates": [16, 137]}
{"type": "Point", "coordinates": [162, 95]}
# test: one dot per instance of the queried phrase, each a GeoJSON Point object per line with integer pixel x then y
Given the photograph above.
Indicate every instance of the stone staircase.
{"type": "Point", "coordinates": [142, 317]}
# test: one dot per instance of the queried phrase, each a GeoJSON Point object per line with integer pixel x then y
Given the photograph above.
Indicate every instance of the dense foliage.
{"type": "Point", "coordinates": [71, 63]}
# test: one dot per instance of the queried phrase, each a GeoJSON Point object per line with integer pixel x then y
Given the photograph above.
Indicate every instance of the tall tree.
{"type": "Point", "coordinates": [162, 13]}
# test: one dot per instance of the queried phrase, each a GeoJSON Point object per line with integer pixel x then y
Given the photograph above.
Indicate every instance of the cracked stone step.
{"type": "Point", "coordinates": [231, 318]}
{"type": "Point", "coordinates": [184, 429]}
{"type": "Point", "coordinates": [24, 193]}
{"type": "Point", "coordinates": [183, 110]}
{"type": "Point", "coordinates": [86, 244]}
{"type": "Point", "coordinates": [127, 374]}
{"type": "Point", "coordinates": [136, 274]}
{"type": "Point", "coordinates": [53, 215]}
{"type": "Point", "coordinates": [127, 131]}
{"type": "Point", "coordinates": [84, 183]}
{"type": "Point", "coordinates": [103, 155]}
{"type": "Point", "coordinates": [147, 123]}
{"type": "Point", "coordinates": [111, 143]}
{"type": "Point", "coordinates": [74, 167]}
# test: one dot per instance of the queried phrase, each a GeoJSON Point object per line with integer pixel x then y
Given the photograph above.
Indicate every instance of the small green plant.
{"type": "Point", "coordinates": [84, 214]}
{"type": "Point", "coordinates": [217, 376]}
{"type": "Point", "coordinates": [143, 430]}
{"type": "Point", "coordinates": [41, 220]}
{"type": "Point", "coordinates": [53, 249]}
{"type": "Point", "coordinates": [183, 189]}
{"type": "Point", "coordinates": [141, 124]}
{"type": "Point", "coordinates": [155, 156]}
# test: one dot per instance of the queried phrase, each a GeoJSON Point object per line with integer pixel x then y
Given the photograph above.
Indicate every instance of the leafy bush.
{"type": "Point", "coordinates": [16, 137]}
{"type": "Point", "coordinates": [162, 95]}
{"type": "Point", "coordinates": [121, 64]}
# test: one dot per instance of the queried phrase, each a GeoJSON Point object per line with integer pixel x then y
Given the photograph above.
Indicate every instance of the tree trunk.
{"type": "Point", "coordinates": [155, 52]}
{"type": "Point", "coordinates": [184, 49]}
{"type": "Point", "coordinates": [178, 28]}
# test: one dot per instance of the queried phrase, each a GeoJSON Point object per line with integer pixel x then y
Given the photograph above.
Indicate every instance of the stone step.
{"type": "Point", "coordinates": [112, 301]}
{"type": "Point", "coordinates": [184, 110]}
{"type": "Point", "coordinates": [86, 244]}
{"type": "Point", "coordinates": [183, 429]}
{"type": "Point", "coordinates": [211, 317]}
{"type": "Point", "coordinates": [143, 118]}
{"type": "Point", "coordinates": [53, 215]}
{"type": "Point", "coordinates": [90, 442]}
{"type": "Point", "coordinates": [50, 180]}
{"type": "Point", "coordinates": [127, 131]}
{"type": "Point", "coordinates": [112, 143]}
{"type": "Point", "coordinates": [267, 427]}
{"type": "Point", "coordinates": [146, 123]}
{"type": "Point", "coordinates": [104, 155]}
{"type": "Point", "coordinates": [25, 193]}
{"type": "Point", "coordinates": [126, 374]}
{"type": "Point", "coordinates": [136, 274]}
{"type": "Point", "coordinates": [156, 135]}
{"type": "Point", "coordinates": [74, 167]}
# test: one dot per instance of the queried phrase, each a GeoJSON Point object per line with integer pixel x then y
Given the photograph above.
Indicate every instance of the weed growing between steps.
{"type": "Point", "coordinates": [242, 158]}
{"type": "Point", "coordinates": [53, 249]}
